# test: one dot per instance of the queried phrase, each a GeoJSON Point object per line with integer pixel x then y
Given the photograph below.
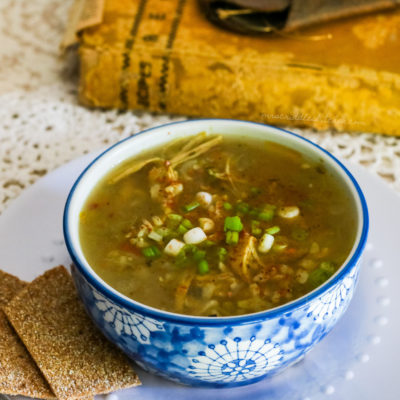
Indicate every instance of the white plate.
{"type": "Point", "coordinates": [357, 360]}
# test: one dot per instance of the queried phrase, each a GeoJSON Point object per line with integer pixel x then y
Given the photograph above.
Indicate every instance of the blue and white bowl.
{"type": "Point", "coordinates": [209, 351]}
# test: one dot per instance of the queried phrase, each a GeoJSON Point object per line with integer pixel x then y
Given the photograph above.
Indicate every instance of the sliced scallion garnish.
{"type": "Point", "coordinates": [227, 206]}
{"type": "Point", "coordinates": [181, 229]}
{"type": "Point", "coordinates": [267, 213]}
{"type": "Point", "coordinates": [187, 224]}
{"type": "Point", "coordinates": [273, 230]}
{"type": "Point", "coordinates": [203, 267]}
{"type": "Point", "coordinates": [199, 255]}
{"type": "Point", "coordinates": [328, 266]}
{"type": "Point", "coordinates": [255, 228]}
{"type": "Point", "coordinates": [232, 237]}
{"type": "Point", "coordinates": [173, 220]}
{"type": "Point", "coordinates": [191, 206]}
{"type": "Point", "coordinates": [151, 252]}
{"type": "Point", "coordinates": [222, 252]}
{"type": "Point", "coordinates": [243, 208]}
{"type": "Point", "coordinates": [233, 224]}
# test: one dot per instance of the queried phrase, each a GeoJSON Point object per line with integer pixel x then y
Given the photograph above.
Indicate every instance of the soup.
{"type": "Point", "coordinates": [218, 226]}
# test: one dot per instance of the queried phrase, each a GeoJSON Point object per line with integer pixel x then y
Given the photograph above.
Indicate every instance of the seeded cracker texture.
{"type": "Point", "coordinates": [19, 374]}
{"type": "Point", "coordinates": [72, 354]}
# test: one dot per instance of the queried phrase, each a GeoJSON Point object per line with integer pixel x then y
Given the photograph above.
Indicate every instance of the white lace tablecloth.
{"type": "Point", "coordinates": [42, 126]}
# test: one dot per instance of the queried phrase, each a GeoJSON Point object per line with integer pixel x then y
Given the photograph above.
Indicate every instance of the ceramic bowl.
{"type": "Point", "coordinates": [207, 351]}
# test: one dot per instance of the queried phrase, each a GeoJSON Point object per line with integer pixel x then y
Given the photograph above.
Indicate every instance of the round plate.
{"type": "Point", "coordinates": [357, 360]}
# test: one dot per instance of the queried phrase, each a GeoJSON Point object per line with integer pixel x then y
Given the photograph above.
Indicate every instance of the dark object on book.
{"type": "Point", "coordinates": [274, 16]}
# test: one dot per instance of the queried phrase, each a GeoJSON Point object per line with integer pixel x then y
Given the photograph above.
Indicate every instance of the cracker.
{"type": "Point", "coordinates": [9, 286]}
{"type": "Point", "coordinates": [19, 374]}
{"type": "Point", "coordinates": [72, 354]}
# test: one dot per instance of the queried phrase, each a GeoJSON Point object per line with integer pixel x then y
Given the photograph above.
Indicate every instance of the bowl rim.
{"type": "Point", "coordinates": [135, 306]}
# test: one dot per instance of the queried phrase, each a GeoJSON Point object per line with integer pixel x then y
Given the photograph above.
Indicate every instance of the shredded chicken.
{"type": "Point", "coordinates": [216, 210]}
{"type": "Point", "coordinates": [191, 150]}
{"type": "Point", "coordinates": [135, 167]}
{"type": "Point", "coordinates": [194, 141]}
{"type": "Point", "coordinates": [230, 177]}
{"type": "Point", "coordinates": [182, 290]}
{"type": "Point", "coordinates": [164, 185]}
{"type": "Point", "coordinates": [245, 257]}
{"type": "Point", "coordinates": [164, 179]}
{"type": "Point", "coordinates": [138, 238]}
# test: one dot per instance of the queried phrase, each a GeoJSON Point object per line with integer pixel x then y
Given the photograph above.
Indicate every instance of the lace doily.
{"type": "Point", "coordinates": [42, 126]}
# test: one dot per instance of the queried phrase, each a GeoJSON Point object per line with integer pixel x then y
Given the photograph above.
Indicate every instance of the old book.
{"type": "Point", "coordinates": [166, 56]}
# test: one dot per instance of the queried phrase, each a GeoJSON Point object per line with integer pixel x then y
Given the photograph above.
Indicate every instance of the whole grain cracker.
{"type": "Point", "coordinates": [19, 374]}
{"type": "Point", "coordinates": [72, 354]}
{"type": "Point", "coordinates": [10, 285]}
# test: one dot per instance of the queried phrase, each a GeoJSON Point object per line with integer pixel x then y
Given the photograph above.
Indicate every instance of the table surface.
{"type": "Point", "coordinates": [42, 126]}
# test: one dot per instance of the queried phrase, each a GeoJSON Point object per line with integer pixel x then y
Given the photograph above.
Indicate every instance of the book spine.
{"type": "Point", "coordinates": [140, 70]}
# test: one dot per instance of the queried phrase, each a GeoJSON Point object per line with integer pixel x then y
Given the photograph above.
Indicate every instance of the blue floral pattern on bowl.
{"type": "Point", "coordinates": [220, 355]}
{"type": "Point", "coordinates": [131, 324]}
{"type": "Point", "coordinates": [236, 360]}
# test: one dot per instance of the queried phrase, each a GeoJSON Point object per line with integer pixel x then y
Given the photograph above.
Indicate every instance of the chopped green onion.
{"type": "Point", "coordinates": [181, 229]}
{"type": "Point", "coordinates": [155, 236]}
{"type": "Point", "coordinates": [203, 267]}
{"type": "Point", "coordinates": [255, 191]}
{"type": "Point", "coordinates": [255, 228]}
{"type": "Point", "coordinates": [156, 251]}
{"type": "Point", "coordinates": [212, 173]}
{"type": "Point", "coordinates": [299, 234]}
{"type": "Point", "coordinates": [233, 224]}
{"type": "Point", "coordinates": [190, 248]}
{"type": "Point", "coordinates": [222, 252]}
{"type": "Point", "coordinates": [318, 277]}
{"type": "Point", "coordinates": [175, 217]}
{"type": "Point", "coordinates": [191, 206]}
{"type": "Point", "coordinates": [148, 252]}
{"type": "Point", "coordinates": [181, 259]}
{"type": "Point", "coordinates": [232, 237]}
{"type": "Point", "coordinates": [266, 242]}
{"type": "Point", "coordinates": [163, 231]}
{"type": "Point", "coordinates": [173, 220]}
{"type": "Point", "coordinates": [242, 208]}
{"type": "Point", "coordinates": [280, 244]}
{"type": "Point", "coordinates": [328, 266]}
{"type": "Point", "coordinates": [227, 206]}
{"type": "Point", "coordinates": [187, 224]}
{"type": "Point", "coordinates": [199, 255]}
{"type": "Point", "coordinates": [171, 235]}
{"type": "Point", "coordinates": [151, 252]}
{"type": "Point", "coordinates": [208, 243]}
{"type": "Point", "coordinates": [267, 213]}
{"type": "Point", "coordinates": [273, 230]}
